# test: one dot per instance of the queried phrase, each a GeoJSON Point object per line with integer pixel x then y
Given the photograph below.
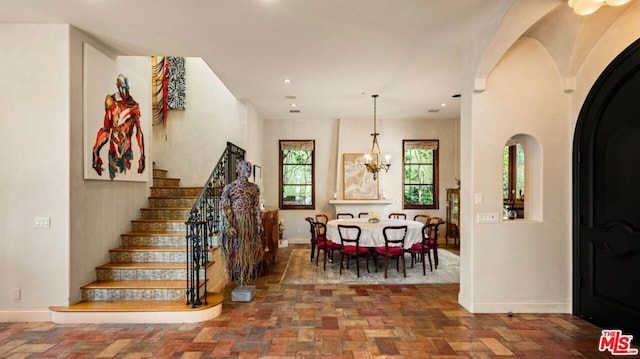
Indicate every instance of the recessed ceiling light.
{"type": "Point", "coordinates": [293, 105]}
{"type": "Point", "coordinates": [286, 81]}
{"type": "Point", "coordinates": [443, 104]}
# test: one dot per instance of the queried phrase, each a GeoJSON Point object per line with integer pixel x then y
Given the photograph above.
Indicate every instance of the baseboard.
{"type": "Point", "coordinates": [556, 307]}
{"type": "Point", "coordinates": [25, 316]}
{"type": "Point", "coordinates": [465, 302]}
{"type": "Point", "coordinates": [298, 240]}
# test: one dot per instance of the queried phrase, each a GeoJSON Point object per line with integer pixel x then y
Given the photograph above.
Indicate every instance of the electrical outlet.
{"type": "Point", "coordinates": [42, 222]}
{"type": "Point", "coordinates": [16, 294]}
{"type": "Point", "coordinates": [488, 218]}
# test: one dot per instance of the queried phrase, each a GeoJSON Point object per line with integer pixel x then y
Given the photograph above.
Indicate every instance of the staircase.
{"type": "Point", "coordinates": [146, 278]}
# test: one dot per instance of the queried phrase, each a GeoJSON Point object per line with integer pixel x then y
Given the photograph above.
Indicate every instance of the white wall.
{"type": "Point", "coordinates": [43, 83]}
{"type": "Point", "coordinates": [620, 34]}
{"type": "Point", "coordinates": [101, 210]}
{"type": "Point", "coordinates": [324, 132]}
{"type": "Point", "coordinates": [193, 140]}
{"type": "Point", "coordinates": [336, 137]}
{"type": "Point", "coordinates": [526, 265]}
{"type": "Point", "coordinates": [446, 131]}
{"type": "Point", "coordinates": [34, 132]}
{"type": "Point", "coordinates": [255, 145]}
{"type": "Point", "coordinates": [521, 265]}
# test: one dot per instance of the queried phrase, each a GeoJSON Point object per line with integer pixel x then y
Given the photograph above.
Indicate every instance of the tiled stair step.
{"type": "Point", "coordinates": [135, 290]}
{"type": "Point", "coordinates": [165, 213]}
{"type": "Point", "coordinates": [166, 182]}
{"type": "Point", "coordinates": [146, 254]}
{"type": "Point", "coordinates": [142, 271]}
{"type": "Point", "coordinates": [162, 239]}
{"type": "Point", "coordinates": [158, 225]}
{"type": "Point", "coordinates": [160, 173]}
{"type": "Point", "coordinates": [175, 191]}
{"type": "Point", "coordinates": [172, 201]}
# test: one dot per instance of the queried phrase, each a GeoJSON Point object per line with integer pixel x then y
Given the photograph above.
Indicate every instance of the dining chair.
{"type": "Point", "coordinates": [350, 246]}
{"type": "Point", "coordinates": [363, 215]}
{"type": "Point", "coordinates": [324, 244]}
{"type": "Point", "coordinates": [433, 232]}
{"type": "Point", "coordinates": [393, 247]}
{"type": "Point", "coordinates": [397, 215]}
{"type": "Point", "coordinates": [321, 217]}
{"type": "Point", "coordinates": [343, 215]}
{"type": "Point", "coordinates": [422, 250]}
{"type": "Point", "coordinates": [422, 218]}
{"type": "Point", "coordinates": [314, 239]}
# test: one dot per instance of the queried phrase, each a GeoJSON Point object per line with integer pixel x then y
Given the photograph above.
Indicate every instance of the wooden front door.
{"type": "Point", "coordinates": [607, 199]}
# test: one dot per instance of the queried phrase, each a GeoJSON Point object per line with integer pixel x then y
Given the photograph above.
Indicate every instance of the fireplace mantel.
{"type": "Point", "coordinates": [356, 206]}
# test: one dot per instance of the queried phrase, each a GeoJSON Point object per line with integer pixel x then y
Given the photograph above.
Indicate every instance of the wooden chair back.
{"type": "Point", "coordinates": [394, 237]}
{"type": "Point", "coordinates": [422, 218]}
{"type": "Point", "coordinates": [349, 235]}
{"type": "Point", "coordinates": [397, 215]}
{"type": "Point", "coordinates": [321, 217]}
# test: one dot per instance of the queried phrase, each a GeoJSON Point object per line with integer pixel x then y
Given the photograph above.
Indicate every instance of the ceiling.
{"type": "Point", "coordinates": [337, 53]}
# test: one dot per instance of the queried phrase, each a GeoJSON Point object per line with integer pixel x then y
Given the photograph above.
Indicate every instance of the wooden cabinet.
{"type": "Point", "coordinates": [270, 236]}
{"type": "Point", "coordinates": [453, 215]}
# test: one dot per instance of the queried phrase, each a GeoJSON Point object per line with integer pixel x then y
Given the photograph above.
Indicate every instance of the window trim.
{"type": "Point", "coordinates": [512, 171]}
{"type": "Point", "coordinates": [436, 175]}
{"type": "Point", "coordinates": [283, 206]}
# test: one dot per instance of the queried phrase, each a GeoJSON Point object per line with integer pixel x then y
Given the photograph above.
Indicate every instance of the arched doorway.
{"type": "Point", "coordinates": [606, 211]}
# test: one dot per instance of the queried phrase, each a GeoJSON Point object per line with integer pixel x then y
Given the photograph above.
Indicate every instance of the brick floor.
{"type": "Point", "coordinates": [320, 321]}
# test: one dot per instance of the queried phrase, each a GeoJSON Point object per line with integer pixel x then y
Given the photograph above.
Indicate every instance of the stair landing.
{"type": "Point", "coordinates": [153, 311]}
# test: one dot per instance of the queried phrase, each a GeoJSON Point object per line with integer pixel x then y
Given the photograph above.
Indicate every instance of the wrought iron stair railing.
{"type": "Point", "coordinates": [205, 222]}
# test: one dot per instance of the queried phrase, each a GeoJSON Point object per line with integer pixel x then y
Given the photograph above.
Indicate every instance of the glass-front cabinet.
{"type": "Point", "coordinates": [453, 215]}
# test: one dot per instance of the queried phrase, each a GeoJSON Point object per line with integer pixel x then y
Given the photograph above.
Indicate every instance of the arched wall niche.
{"type": "Point", "coordinates": [533, 174]}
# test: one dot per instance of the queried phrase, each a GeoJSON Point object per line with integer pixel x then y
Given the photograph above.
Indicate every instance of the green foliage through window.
{"type": "Point", "coordinates": [513, 172]}
{"type": "Point", "coordinates": [297, 175]}
{"type": "Point", "coordinates": [420, 161]}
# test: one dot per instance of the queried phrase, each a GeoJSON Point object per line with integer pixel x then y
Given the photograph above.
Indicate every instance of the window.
{"type": "Point", "coordinates": [513, 172]}
{"type": "Point", "coordinates": [297, 179]}
{"type": "Point", "coordinates": [513, 180]}
{"type": "Point", "coordinates": [420, 168]}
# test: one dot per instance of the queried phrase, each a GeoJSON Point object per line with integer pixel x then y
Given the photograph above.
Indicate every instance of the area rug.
{"type": "Point", "coordinates": [300, 270]}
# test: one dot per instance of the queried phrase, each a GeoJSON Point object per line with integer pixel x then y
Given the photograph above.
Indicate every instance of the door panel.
{"type": "Point", "coordinates": [607, 189]}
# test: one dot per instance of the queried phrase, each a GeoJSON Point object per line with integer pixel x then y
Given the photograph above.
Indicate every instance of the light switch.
{"type": "Point", "coordinates": [42, 222]}
{"type": "Point", "coordinates": [488, 218]}
{"type": "Point", "coordinates": [478, 198]}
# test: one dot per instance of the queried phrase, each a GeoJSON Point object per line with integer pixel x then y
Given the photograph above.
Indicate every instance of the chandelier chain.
{"type": "Point", "coordinates": [373, 160]}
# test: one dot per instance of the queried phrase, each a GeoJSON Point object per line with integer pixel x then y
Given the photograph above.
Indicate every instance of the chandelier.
{"type": "Point", "coordinates": [586, 7]}
{"type": "Point", "coordinates": [372, 160]}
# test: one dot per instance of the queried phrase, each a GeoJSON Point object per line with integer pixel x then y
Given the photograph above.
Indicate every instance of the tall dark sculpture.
{"type": "Point", "coordinates": [242, 227]}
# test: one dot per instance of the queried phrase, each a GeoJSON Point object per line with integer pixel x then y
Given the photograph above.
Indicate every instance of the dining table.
{"type": "Point", "coordinates": [371, 232]}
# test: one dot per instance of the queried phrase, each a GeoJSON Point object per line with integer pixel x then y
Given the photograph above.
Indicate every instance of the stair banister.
{"type": "Point", "coordinates": [205, 221]}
